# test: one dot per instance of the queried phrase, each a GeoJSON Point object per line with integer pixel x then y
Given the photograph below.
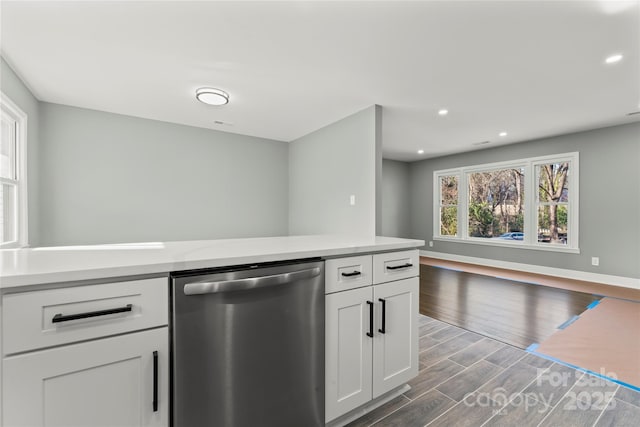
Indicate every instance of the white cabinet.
{"type": "Point", "coordinates": [395, 353]}
{"type": "Point", "coordinates": [95, 355]}
{"type": "Point", "coordinates": [40, 319]}
{"type": "Point", "coordinates": [349, 351]}
{"type": "Point", "coordinates": [342, 274]}
{"type": "Point", "coordinates": [371, 342]}
{"type": "Point", "coordinates": [389, 266]}
{"type": "Point", "coordinates": [107, 382]}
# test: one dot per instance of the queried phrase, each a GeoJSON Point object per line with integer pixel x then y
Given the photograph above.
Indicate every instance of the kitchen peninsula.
{"type": "Point", "coordinates": [77, 316]}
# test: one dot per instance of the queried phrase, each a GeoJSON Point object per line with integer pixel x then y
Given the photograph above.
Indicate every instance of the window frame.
{"type": "Point", "coordinates": [441, 205]}
{"type": "Point", "coordinates": [530, 204]}
{"type": "Point", "coordinates": [21, 210]}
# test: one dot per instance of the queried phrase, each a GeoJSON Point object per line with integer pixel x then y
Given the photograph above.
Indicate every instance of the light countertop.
{"type": "Point", "coordinates": [21, 267]}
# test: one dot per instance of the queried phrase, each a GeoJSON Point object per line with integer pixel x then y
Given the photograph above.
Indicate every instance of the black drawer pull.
{"type": "Point", "coordinates": [384, 315]}
{"type": "Point", "coordinates": [155, 381]}
{"type": "Point", "coordinates": [395, 267]}
{"type": "Point", "coordinates": [355, 273]}
{"type": "Point", "coordinates": [60, 318]}
{"type": "Point", "coordinates": [370, 333]}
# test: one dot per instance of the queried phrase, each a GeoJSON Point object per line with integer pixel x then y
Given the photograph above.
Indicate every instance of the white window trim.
{"type": "Point", "coordinates": [21, 164]}
{"type": "Point", "coordinates": [530, 204]}
{"type": "Point", "coordinates": [438, 204]}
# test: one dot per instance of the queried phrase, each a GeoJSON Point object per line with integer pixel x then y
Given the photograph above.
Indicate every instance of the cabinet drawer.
{"type": "Point", "coordinates": [347, 273]}
{"type": "Point", "coordinates": [391, 266]}
{"type": "Point", "coordinates": [32, 320]}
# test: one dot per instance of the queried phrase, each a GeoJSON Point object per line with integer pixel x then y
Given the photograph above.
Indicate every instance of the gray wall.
{"type": "Point", "coordinates": [396, 199]}
{"type": "Point", "coordinates": [112, 178]}
{"type": "Point", "coordinates": [13, 87]}
{"type": "Point", "coordinates": [609, 200]}
{"type": "Point", "coordinates": [97, 177]}
{"type": "Point", "coordinates": [329, 165]}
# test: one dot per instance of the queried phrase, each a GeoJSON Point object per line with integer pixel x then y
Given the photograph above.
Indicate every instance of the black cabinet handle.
{"type": "Point", "coordinates": [370, 333]}
{"type": "Point", "coordinates": [61, 318]}
{"type": "Point", "coordinates": [384, 315]}
{"type": "Point", "coordinates": [355, 273]}
{"type": "Point", "coordinates": [155, 381]}
{"type": "Point", "coordinates": [395, 267]}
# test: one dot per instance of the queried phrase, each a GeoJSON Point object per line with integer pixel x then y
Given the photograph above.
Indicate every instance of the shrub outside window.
{"type": "Point", "coordinates": [449, 205]}
{"type": "Point", "coordinates": [496, 202]}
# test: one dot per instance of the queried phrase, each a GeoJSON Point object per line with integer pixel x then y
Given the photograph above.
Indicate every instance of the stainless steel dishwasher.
{"type": "Point", "coordinates": [248, 346]}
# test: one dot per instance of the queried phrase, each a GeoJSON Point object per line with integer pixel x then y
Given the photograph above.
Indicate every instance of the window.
{"type": "Point", "coordinates": [553, 202]}
{"type": "Point", "coordinates": [530, 203]}
{"type": "Point", "coordinates": [496, 202]}
{"type": "Point", "coordinates": [449, 205]}
{"type": "Point", "coordinates": [13, 198]}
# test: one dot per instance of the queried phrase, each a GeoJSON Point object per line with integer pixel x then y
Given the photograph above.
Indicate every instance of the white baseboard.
{"type": "Point", "coordinates": [626, 282]}
{"type": "Point", "coordinates": [360, 411]}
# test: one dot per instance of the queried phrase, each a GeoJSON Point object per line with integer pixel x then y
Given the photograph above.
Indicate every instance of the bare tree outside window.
{"type": "Point", "coordinates": [553, 202]}
{"type": "Point", "coordinates": [496, 202]}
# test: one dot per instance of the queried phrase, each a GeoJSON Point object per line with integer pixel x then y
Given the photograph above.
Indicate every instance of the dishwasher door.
{"type": "Point", "coordinates": [248, 347]}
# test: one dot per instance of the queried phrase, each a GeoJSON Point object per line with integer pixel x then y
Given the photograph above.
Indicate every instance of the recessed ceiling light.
{"type": "Point", "coordinates": [502, 134]}
{"type": "Point", "coordinates": [420, 151]}
{"type": "Point", "coordinates": [212, 96]}
{"type": "Point", "coordinates": [613, 58]}
{"type": "Point", "coordinates": [443, 112]}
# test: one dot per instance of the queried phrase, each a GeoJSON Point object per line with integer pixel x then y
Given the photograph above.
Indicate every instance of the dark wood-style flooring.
{"type": "Point", "coordinates": [538, 279]}
{"type": "Point", "coordinates": [512, 312]}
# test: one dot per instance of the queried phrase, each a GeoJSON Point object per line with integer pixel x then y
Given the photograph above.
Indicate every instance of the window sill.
{"type": "Point", "coordinates": [13, 245]}
{"type": "Point", "coordinates": [510, 244]}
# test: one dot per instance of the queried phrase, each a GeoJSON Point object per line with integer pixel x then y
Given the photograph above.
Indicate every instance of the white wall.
{"type": "Point", "coordinates": [329, 165]}
{"type": "Point", "coordinates": [112, 178]}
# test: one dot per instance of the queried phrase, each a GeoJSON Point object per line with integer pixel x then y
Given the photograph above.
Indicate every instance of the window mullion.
{"type": "Point", "coordinates": [530, 209]}
{"type": "Point", "coordinates": [463, 211]}
{"type": "Point", "coordinates": [574, 194]}
{"type": "Point", "coordinates": [437, 208]}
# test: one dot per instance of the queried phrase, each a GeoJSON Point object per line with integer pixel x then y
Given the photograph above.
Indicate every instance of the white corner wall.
{"type": "Point", "coordinates": [396, 212]}
{"type": "Point", "coordinates": [329, 166]}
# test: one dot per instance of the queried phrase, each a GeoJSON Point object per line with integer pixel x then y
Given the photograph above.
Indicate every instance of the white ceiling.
{"type": "Point", "coordinates": [531, 68]}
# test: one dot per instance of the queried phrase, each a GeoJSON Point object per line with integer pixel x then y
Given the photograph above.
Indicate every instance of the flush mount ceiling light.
{"type": "Point", "coordinates": [443, 112]}
{"type": "Point", "coordinates": [420, 151]}
{"type": "Point", "coordinates": [212, 96]}
{"type": "Point", "coordinates": [502, 134]}
{"type": "Point", "coordinates": [613, 58]}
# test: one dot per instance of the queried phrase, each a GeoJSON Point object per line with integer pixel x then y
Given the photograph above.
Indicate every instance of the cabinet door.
{"type": "Point", "coordinates": [348, 351]}
{"type": "Point", "coordinates": [106, 382]}
{"type": "Point", "coordinates": [395, 352]}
